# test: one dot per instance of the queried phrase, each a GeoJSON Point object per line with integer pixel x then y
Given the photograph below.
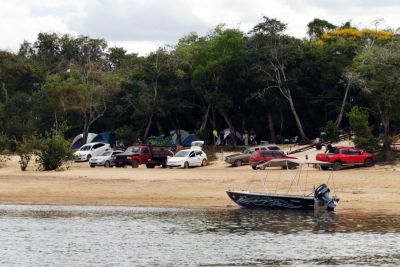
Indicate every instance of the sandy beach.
{"type": "Point", "coordinates": [367, 189]}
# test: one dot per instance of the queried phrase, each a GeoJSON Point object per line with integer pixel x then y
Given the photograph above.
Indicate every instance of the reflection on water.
{"type": "Point", "coordinates": [73, 235]}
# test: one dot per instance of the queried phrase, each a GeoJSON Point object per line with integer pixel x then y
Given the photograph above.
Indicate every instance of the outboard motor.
{"type": "Point", "coordinates": [322, 194]}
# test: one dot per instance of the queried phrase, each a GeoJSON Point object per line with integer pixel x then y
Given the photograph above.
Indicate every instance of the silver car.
{"type": "Point", "coordinates": [103, 159]}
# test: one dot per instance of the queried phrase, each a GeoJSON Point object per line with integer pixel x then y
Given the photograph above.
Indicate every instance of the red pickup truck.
{"type": "Point", "coordinates": [143, 154]}
{"type": "Point", "coordinates": [346, 156]}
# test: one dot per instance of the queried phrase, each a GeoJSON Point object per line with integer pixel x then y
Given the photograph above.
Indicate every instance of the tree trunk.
{"type": "Point", "coordinates": [296, 117]}
{"type": "Point", "coordinates": [231, 127]}
{"type": "Point", "coordinates": [205, 118]}
{"type": "Point", "coordinates": [340, 116]}
{"type": "Point", "coordinates": [146, 132]}
{"type": "Point", "coordinates": [86, 127]}
{"type": "Point", "coordinates": [271, 126]}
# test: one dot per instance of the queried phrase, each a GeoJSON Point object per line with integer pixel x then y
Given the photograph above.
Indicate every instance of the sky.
{"type": "Point", "coordinates": [141, 26]}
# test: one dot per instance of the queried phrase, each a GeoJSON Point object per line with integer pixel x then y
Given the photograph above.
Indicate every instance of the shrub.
{"type": "Point", "coordinates": [52, 152]}
{"type": "Point", "coordinates": [25, 150]}
{"type": "Point", "coordinates": [364, 139]}
{"type": "Point", "coordinates": [330, 130]}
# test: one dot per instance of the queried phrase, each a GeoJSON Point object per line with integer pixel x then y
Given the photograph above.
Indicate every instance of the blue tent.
{"type": "Point", "coordinates": [188, 140]}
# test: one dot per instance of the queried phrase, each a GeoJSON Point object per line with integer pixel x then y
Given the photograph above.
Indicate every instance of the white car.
{"type": "Point", "coordinates": [103, 159]}
{"type": "Point", "coordinates": [187, 158]}
{"type": "Point", "coordinates": [91, 150]}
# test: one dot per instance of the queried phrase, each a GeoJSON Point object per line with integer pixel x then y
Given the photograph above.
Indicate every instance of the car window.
{"type": "Point", "coordinates": [354, 152]}
{"type": "Point", "coordinates": [277, 153]}
{"type": "Point", "coordinates": [182, 154]}
{"type": "Point", "coordinates": [145, 150]}
{"type": "Point", "coordinates": [266, 153]}
{"type": "Point", "coordinates": [345, 152]}
{"type": "Point", "coordinates": [85, 148]}
{"type": "Point", "coordinates": [116, 152]}
{"type": "Point", "coordinates": [133, 149]}
{"type": "Point", "coordinates": [105, 154]}
{"type": "Point", "coordinates": [263, 148]}
{"type": "Point", "coordinates": [198, 153]}
{"type": "Point", "coordinates": [256, 149]}
{"type": "Point", "coordinates": [97, 146]}
{"type": "Point", "coordinates": [191, 154]}
{"type": "Point", "coordinates": [247, 151]}
{"type": "Point", "coordinates": [273, 148]}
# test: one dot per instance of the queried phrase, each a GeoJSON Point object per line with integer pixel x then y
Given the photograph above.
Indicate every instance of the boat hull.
{"type": "Point", "coordinates": [271, 201]}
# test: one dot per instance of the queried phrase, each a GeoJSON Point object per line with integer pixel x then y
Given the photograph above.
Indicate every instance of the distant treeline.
{"type": "Point", "coordinates": [264, 81]}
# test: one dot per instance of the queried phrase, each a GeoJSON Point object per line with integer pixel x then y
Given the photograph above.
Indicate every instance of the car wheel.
{"type": "Point", "coordinates": [107, 164]}
{"type": "Point", "coordinates": [88, 157]}
{"type": "Point", "coordinates": [253, 167]}
{"type": "Point", "coordinates": [369, 162]}
{"type": "Point", "coordinates": [238, 163]}
{"type": "Point", "coordinates": [337, 165]}
{"type": "Point", "coordinates": [150, 166]}
{"type": "Point", "coordinates": [135, 164]}
{"type": "Point", "coordinates": [204, 163]}
{"type": "Point", "coordinates": [186, 165]}
{"type": "Point", "coordinates": [164, 164]}
{"type": "Point", "coordinates": [92, 166]}
{"type": "Point", "coordinates": [324, 168]}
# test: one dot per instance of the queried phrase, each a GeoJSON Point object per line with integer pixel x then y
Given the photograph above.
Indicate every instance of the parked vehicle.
{"type": "Point", "coordinates": [262, 156]}
{"type": "Point", "coordinates": [104, 159]}
{"type": "Point", "coordinates": [143, 154]}
{"type": "Point", "coordinates": [186, 158]}
{"type": "Point", "coordinates": [91, 150]}
{"type": "Point", "coordinates": [337, 157]}
{"type": "Point", "coordinates": [240, 159]}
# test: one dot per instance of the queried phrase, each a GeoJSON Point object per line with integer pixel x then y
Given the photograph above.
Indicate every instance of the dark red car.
{"type": "Point", "coordinates": [263, 156]}
{"type": "Point", "coordinates": [346, 156]}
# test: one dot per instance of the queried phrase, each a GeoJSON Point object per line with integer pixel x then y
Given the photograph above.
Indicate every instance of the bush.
{"type": "Point", "coordinates": [330, 130]}
{"type": "Point", "coordinates": [25, 150]}
{"type": "Point", "coordinates": [358, 119]}
{"type": "Point", "coordinates": [52, 152]}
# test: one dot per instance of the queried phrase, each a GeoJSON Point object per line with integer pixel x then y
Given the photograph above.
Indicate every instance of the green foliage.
{"type": "Point", "coordinates": [4, 147]}
{"type": "Point", "coordinates": [364, 139]}
{"type": "Point", "coordinates": [205, 135]}
{"type": "Point", "coordinates": [52, 152]}
{"type": "Point", "coordinates": [25, 150]}
{"type": "Point", "coordinates": [330, 130]}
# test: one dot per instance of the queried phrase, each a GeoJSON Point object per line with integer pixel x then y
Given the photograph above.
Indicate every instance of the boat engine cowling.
{"type": "Point", "coordinates": [322, 193]}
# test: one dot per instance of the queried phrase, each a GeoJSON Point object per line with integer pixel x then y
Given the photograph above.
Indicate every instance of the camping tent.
{"type": "Point", "coordinates": [188, 140]}
{"type": "Point", "coordinates": [226, 137]}
{"type": "Point", "coordinates": [78, 140]}
{"type": "Point", "coordinates": [175, 138]}
{"type": "Point", "coordinates": [106, 137]}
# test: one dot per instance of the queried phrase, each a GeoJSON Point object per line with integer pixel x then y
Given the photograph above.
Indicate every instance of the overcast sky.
{"type": "Point", "coordinates": [142, 26]}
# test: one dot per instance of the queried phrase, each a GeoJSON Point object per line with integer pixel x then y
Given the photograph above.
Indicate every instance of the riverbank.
{"type": "Point", "coordinates": [369, 189]}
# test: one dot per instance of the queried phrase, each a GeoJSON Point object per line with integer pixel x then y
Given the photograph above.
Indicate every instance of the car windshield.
{"type": "Point", "coordinates": [182, 153]}
{"type": "Point", "coordinates": [247, 151]}
{"type": "Point", "coordinates": [85, 148]}
{"type": "Point", "coordinates": [133, 149]}
{"type": "Point", "coordinates": [105, 154]}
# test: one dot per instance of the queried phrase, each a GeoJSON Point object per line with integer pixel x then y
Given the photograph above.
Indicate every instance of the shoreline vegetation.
{"type": "Point", "coordinates": [371, 190]}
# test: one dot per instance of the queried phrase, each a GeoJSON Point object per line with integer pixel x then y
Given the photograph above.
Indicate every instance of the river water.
{"type": "Point", "coordinates": [119, 236]}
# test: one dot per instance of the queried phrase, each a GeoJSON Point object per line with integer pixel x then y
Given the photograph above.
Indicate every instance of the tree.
{"type": "Point", "coordinates": [278, 52]}
{"type": "Point", "coordinates": [218, 74]}
{"type": "Point", "coordinates": [379, 67]}
{"type": "Point", "coordinates": [318, 27]}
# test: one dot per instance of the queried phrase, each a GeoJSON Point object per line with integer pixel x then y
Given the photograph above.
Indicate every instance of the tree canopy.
{"type": "Point", "coordinates": [265, 81]}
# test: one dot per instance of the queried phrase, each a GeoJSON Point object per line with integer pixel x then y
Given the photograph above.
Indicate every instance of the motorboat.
{"type": "Point", "coordinates": [319, 198]}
